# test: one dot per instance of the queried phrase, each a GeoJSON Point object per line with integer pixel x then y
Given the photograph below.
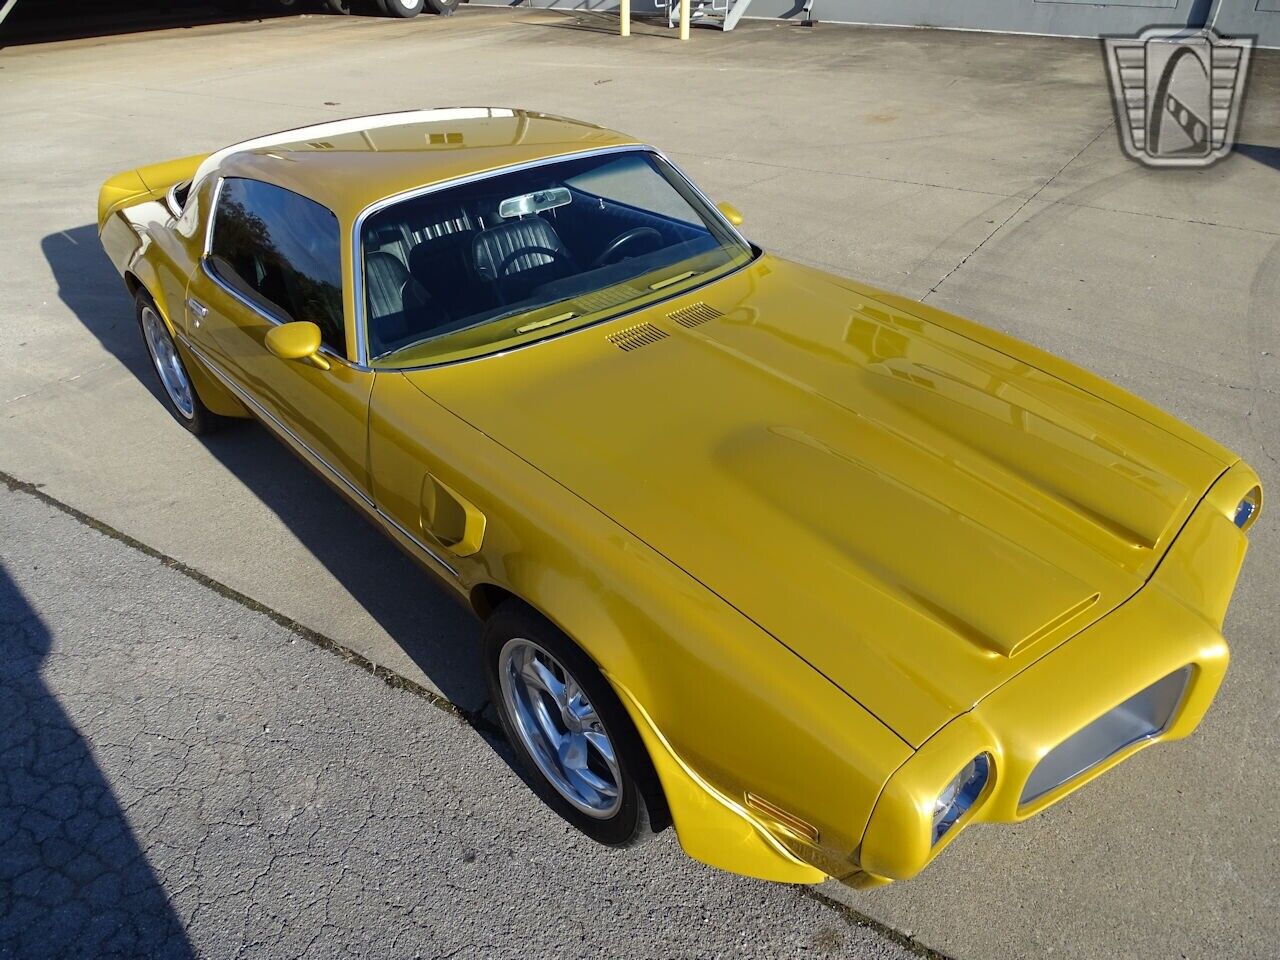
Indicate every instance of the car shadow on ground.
{"type": "Point", "coordinates": [73, 879]}
{"type": "Point", "coordinates": [436, 631]}
{"type": "Point", "coordinates": [1261, 153]}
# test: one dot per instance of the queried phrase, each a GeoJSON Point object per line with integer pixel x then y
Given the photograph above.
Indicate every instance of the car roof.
{"type": "Point", "coordinates": [349, 164]}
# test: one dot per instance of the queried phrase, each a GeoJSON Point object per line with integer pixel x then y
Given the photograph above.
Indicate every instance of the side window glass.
{"type": "Point", "coordinates": [281, 251]}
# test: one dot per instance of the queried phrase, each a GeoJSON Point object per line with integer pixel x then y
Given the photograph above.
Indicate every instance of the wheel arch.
{"type": "Point", "coordinates": [710, 826]}
{"type": "Point", "coordinates": [216, 397]}
{"type": "Point", "coordinates": [486, 598]}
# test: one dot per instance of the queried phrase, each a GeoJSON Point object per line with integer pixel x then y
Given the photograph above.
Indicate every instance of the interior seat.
{"type": "Point", "coordinates": [441, 266]}
{"type": "Point", "coordinates": [490, 249]}
{"type": "Point", "coordinates": [400, 309]}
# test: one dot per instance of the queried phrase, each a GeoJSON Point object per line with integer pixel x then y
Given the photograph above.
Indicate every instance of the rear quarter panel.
{"type": "Point", "coordinates": [157, 252]}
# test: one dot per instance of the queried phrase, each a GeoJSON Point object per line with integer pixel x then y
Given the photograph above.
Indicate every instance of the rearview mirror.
{"type": "Point", "coordinates": [730, 212]}
{"type": "Point", "coordinates": [299, 340]}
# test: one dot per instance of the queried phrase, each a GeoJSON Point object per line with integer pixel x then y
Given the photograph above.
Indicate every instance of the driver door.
{"type": "Point", "coordinates": [274, 257]}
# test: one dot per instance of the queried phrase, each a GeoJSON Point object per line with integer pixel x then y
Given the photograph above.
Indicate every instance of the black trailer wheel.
{"type": "Point", "coordinates": [404, 9]}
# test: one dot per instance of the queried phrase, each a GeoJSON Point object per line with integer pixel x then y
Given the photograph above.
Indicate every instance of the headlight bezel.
{"type": "Point", "coordinates": [961, 795]}
{"type": "Point", "coordinates": [1246, 511]}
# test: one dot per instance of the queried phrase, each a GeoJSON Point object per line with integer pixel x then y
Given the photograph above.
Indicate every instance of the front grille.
{"type": "Point", "coordinates": [1143, 715]}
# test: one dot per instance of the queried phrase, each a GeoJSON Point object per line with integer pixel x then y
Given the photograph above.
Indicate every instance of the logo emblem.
{"type": "Point", "coordinates": [1177, 94]}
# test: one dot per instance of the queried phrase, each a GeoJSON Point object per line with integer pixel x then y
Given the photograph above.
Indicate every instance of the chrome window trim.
{"type": "Point", "coordinates": [357, 260]}
{"type": "Point", "coordinates": [171, 198]}
{"type": "Point", "coordinates": [361, 497]}
{"type": "Point", "coordinates": [257, 308]}
{"type": "Point", "coordinates": [215, 195]}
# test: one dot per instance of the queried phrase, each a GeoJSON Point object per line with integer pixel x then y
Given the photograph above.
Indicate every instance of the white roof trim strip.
{"type": "Point", "coordinates": [334, 128]}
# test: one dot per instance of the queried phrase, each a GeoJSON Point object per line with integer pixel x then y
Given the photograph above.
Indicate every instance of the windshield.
{"type": "Point", "coordinates": [518, 256]}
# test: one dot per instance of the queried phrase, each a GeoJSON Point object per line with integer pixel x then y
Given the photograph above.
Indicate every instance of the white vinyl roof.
{"type": "Point", "coordinates": [334, 128]}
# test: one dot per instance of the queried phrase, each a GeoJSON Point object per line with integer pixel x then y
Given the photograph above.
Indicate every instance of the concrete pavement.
{"type": "Point", "coordinates": [185, 777]}
{"type": "Point", "coordinates": [980, 173]}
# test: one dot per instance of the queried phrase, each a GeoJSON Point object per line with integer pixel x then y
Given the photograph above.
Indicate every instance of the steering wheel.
{"type": "Point", "coordinates": [622, 239]}
{"type": "Point", "coordinates": [501, 276]}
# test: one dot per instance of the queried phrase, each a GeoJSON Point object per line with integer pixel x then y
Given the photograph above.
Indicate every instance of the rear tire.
{"type": "Point", "coordinates": [597, 743]}
{"type": "Point", "coordinates": [176, 387]}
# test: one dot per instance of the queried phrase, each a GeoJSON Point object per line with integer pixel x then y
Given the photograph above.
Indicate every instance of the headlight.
{"type": "Point", "coordinates": [965, 787]}
{"type": "Point", "coordinates": [1247, 509]}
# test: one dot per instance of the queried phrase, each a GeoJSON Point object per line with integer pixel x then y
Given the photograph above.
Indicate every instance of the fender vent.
{"type": "Point", "coordinates": [694, 314]}
{"type": "Point", "coordinates": [632, 338]}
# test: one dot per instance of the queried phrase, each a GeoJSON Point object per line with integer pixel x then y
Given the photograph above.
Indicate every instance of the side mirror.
{"type": "Point", "coordinates": [730, 212]}
{"type": "Point", "coordinates": [299, 340]}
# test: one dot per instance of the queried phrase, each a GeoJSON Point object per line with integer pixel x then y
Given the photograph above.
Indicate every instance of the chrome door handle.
{"type": "Point", "coordinates": [198, 309]}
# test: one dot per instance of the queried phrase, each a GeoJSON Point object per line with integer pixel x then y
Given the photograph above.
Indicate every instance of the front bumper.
{"type": "Point", "coordinates": [1170, 629]}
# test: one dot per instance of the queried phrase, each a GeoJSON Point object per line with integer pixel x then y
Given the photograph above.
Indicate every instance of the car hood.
{"type": "Point", "coordinates": [916, 514]}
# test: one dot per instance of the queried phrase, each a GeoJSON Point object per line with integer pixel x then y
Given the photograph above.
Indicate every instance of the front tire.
{"type": "Point", "coordinates": [569, 729]}
{"type": "Point", "coordinates": [176, 387]}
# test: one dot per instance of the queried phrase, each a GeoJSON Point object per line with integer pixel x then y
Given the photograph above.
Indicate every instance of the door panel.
{"type": "Point", "coordinates": [325, 410]}
{"type": "Point", "coordinates": [274, 257]}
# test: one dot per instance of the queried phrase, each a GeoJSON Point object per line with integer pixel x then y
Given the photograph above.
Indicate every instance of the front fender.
{"type": "Point", "coordinates": [725, 710]}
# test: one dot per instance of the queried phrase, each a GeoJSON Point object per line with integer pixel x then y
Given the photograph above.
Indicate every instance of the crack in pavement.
{"type": "Point", "coordinates": [227, 823]}
{"type": "Point", "coordinates": [1020, 207]}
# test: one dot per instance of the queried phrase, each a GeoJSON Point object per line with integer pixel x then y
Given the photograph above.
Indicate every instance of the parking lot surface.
{"type": "Point", "coordinates": [979, 173]}
{"type": "Point", "coordinates": [186, 777]}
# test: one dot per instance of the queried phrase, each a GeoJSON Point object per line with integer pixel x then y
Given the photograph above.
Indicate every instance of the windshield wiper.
{"type": "Point", "coordinates": [675, 279]}
{"type": "Point", "coordinates": [546, 322]}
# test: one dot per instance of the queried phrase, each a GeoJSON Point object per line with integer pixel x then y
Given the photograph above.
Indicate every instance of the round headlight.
{"type": "Point", "coordinates": [959, 795]}
{"type": "Point", "coordinates": [1247, 509]}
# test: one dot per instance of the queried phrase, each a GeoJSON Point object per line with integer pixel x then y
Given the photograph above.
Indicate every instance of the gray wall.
{"type": "Point", "coordinates": [1077, 18]}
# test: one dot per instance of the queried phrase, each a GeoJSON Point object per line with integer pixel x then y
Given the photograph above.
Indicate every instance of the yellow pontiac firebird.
{"type": "Point", "coordinates": [814, 573]}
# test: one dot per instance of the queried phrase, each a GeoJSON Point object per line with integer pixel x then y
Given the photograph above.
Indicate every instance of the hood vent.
{"type": "Point", "coordinates": [641, 335]}
{"type": "Point", "coordinates": [694, 314]}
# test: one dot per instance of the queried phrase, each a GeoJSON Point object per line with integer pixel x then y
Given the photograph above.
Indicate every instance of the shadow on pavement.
{"type": "Point", "coordinates": [73, 880]}
{"type": "Point", "coordinates": [436, 631]}
{"type": "Point", "coordinates": [1261, 153]}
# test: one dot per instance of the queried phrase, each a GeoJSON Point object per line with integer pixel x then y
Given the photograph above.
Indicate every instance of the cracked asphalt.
{"type": "Point", "coordinates": [181, 776]}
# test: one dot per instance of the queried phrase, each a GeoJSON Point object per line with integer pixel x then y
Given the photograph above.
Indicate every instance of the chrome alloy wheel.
{"type": "Point", "coordinates": [560, 728]}
{"type": "Point", "coordinates": [165, 356]}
